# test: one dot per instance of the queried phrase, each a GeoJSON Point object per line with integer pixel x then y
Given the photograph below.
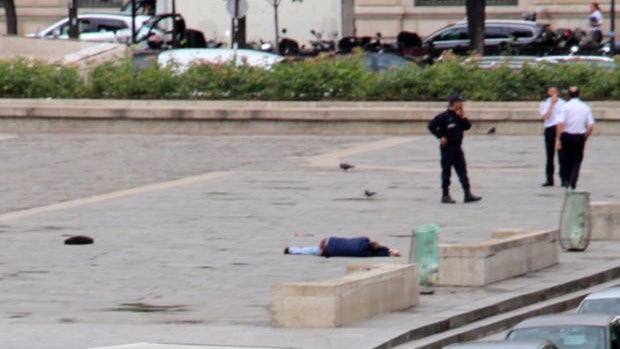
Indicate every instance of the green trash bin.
{"type": "Point", "coordinates": [575, 221]}
{"type": "Point", "coordinates": [423, 252]}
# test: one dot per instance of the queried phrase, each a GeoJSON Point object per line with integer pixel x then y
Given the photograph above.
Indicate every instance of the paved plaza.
{"type": "Point", "coordinates": [189, 230]}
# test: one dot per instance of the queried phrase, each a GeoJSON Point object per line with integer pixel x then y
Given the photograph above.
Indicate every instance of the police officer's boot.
{"type": "Point", "coordinates": [446, 198]}
{"type": "Point", "coordinates": [469, 197]}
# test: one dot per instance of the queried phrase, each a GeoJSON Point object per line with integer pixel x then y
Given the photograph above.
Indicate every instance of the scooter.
{"type": "Point", "coordinates": [287, 46]}
{"type": "Point", "coordinates": [319, 45]}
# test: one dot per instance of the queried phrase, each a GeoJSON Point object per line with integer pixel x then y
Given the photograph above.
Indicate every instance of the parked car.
{"type": "Point", "coordinates": [605, 301]}
{"type": "Point", "coordinates": [168, 30]}
{"type": "Point", "coordinates": [384, 61]}
{"type": "Point", "coordinates": [516, 63]}
{"type": "Point", "coordinates": [375, 62]}
{"type": "Point", "coordinates": [500, 37]}
{"type": "Point", "coordinates": [104, 27]}
{"type": "Point", "coordinates": [535, 344]}
{"type": "Point", "coordinates": [606, 63]}
{"type": "Point", "coordinates": [181, 59]}
{"type": "Point", "coordinates": [571, 331]}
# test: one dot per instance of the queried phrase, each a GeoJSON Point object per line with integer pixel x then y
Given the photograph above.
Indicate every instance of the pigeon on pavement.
{"type": "Point", "coordinates": [345, 166]}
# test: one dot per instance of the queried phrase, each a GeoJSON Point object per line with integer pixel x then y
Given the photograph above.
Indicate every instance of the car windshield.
{"type": "Point", "coordinates": [605, 306]}
{"type": "Point", "coordinates": [564, 337]}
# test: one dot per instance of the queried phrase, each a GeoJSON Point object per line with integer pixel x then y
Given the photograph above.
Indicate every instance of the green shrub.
{"type": "Point", "coordinates": [35, 79]}
{"type": "Point", "coordinates": [321, 78]}
{"type": "Point", "coordinates": [224, 81]}
{"type": "Point", "coordinates": [112, 80]}
{"type": "Point", "coordinates": [404, 84]}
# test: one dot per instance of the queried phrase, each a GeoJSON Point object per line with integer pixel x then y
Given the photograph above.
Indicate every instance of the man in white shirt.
{"type": "Point", "coordinates": [575, 125]}
{"type": "Point", "coordinates": [550, 110]}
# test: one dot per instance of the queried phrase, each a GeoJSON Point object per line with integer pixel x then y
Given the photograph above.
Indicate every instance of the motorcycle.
{"type": "Point", "coordinates": [319, 45]}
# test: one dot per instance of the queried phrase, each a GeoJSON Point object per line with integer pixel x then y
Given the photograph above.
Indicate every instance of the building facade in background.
{"type": "Point", "coordinates": [331, 18]}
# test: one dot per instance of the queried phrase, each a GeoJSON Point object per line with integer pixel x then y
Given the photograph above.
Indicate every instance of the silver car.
{"type": "Point", "coordinates": [606, 301]}
{"type": "Point", "coordinates": [571, 331]}
{"type": "Point", "coordinates": [102, 27]}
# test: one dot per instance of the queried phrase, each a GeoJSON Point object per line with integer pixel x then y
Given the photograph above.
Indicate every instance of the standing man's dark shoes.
{"type": "Point", "coordinates": [547, 184]}
{"type": "Point", "coordinates": [469, 197]}
{"type": "Point", "coordinates": [447, 199]}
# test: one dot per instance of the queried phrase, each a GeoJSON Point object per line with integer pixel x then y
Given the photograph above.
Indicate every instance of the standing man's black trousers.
{"type": "Point", "coordinates": [572, 155]}
{"type": "Point", "coordinates": [550, 150]}
{"type": "Point", "coordinates": [452, 155]}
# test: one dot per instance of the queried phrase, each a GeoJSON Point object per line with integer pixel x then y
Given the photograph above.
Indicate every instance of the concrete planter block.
{"type": "Point", "coordinates": [508, 254]}
{"type": "Point", "coordinates": [605, 220]}
{"type": "Point", "coordinates": [367, 290]}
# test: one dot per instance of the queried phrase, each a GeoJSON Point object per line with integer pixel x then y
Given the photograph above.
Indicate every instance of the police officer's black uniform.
{"type": "Point", "coordinates": [451, 126]}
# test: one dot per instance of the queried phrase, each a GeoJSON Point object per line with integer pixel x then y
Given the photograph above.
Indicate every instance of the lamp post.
{"type": "Point", "coordinates": [175, 26]}
{"type": "Point", "coordinates": [133, 21]}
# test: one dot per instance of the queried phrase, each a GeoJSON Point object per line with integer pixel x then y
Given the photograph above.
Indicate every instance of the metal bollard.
{"type": "Point", "coordinates": [575, 221]}
{"type": "Point", "coordinates": [423, 252]}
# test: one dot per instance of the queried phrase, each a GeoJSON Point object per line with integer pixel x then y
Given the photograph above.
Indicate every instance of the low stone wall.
{"type": "Point", "coordinates": [367, 290]}
{"type": "Point", "coordinates": [605, 220]}
{"type": "Point", "coordinates": [273, 117]}
{"type": "Point", "coordinates": [509, 253]}
{"type": "Point", "coordinates": [85, 54]}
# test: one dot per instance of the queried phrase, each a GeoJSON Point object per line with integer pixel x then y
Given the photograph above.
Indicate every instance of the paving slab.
{"type": "Point", "coordinates": [189, 230]}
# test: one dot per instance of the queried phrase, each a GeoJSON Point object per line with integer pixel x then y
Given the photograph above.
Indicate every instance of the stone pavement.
{"type": "Point", "coordinates": [189, 231]}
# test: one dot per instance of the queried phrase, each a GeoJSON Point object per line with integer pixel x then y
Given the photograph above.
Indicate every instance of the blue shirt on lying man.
{"type": "Point", "coordinates": [345, 247]}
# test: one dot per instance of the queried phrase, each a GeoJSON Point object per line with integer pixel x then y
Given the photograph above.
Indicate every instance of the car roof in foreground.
{"type": "Point", "coordinates": [578, 319]}
{"type": "Point", "coordinates": [610, 292]}
{"type": "Point", "coordinates": [521, 344]}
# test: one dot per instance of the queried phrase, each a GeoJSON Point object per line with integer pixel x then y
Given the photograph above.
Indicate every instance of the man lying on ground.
{"type": "Point", "coordinates": [345, 247]}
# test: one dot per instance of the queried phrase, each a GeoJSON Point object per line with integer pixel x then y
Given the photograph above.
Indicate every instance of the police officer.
{"type": "Point", "coordinates": [550, 110]}
{"type": "Point", "coordinates": [575, 125]}
{"type": "Point", "coordinates": [448, 127]}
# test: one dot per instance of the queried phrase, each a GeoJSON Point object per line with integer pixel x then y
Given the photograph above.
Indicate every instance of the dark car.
{"type": "Point", "coordinates": [378, 62]}
{"type": "Point", "coordinates": [500, 37]}
{"type": "Point", "coordinates": [382, 61]}
{"type": "Point", "coordinates": [571, 331]}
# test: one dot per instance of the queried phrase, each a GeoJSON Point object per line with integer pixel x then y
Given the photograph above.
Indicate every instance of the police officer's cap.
{"type": "Point", "coordinates": [455, 98]}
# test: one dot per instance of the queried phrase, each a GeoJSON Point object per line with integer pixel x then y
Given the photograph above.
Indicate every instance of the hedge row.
{"type": "Point", "coordinates": [324, 78]}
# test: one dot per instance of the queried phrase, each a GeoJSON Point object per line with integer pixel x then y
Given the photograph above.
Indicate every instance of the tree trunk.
{"type": "Point", "coordinates": [11, 17]}
{"type": "Point", "coordinates": [276, 45]}
{"type": "Point", "coordinates": [475, 24]}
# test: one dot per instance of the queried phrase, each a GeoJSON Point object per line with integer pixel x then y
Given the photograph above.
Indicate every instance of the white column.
{"type": "Point", "coordinates": [346, 20]}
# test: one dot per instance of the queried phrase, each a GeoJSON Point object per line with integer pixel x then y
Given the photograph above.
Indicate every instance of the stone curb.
{"type": "Point", "coordinates": [268, 117]}
{"type": "Point", "coordinates": [499, 323]}
{"type": "Point", "coordinates": [439, 331]}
